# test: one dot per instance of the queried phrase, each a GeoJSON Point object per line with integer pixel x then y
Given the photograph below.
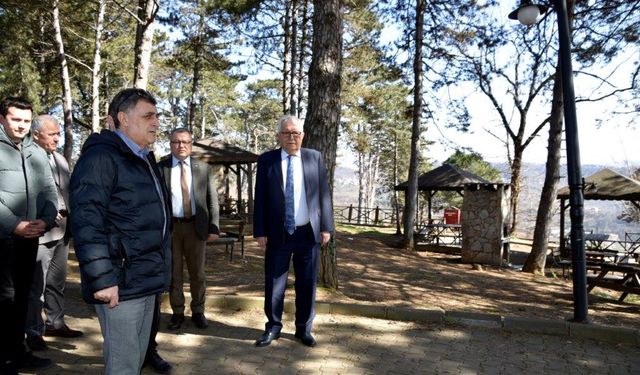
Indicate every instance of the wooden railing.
{"type": "Point", "coordinates": [373, 216]}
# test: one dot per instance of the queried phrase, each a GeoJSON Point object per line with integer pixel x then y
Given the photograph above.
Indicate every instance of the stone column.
{"type": "Point", "coordinates": [485, 220]}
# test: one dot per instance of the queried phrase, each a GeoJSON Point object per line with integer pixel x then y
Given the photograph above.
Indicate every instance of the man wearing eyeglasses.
{"type": "Point", "coordinates": [121, 228]}
{"type": "Point", "coordinates": [194, 203]}
{"type": "Point", "coordinates": [293, 216]}
{"type": "Point", "coordinates": [47, 289]}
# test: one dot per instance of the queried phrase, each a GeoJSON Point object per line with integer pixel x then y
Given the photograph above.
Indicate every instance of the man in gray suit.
{"type": "Point", "coordinates": [51, 268]}
{"type": "Point", "coordinates": [194, 202]}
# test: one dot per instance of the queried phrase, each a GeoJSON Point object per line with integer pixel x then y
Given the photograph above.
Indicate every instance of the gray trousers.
{"type": "Point", "coordinates": [47, 289]}
{"type": "Point", "coordinates": [125, 330]}
{"type": "Point", "coordinates": [187, 248]}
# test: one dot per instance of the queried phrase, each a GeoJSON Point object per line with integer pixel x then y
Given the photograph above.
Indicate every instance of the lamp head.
{"type": "Point", "coordinates": [527, 13]}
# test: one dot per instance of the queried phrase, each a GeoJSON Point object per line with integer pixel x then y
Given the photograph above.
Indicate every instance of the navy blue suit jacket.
{"type": "Point", "coordinates": [269, 205]}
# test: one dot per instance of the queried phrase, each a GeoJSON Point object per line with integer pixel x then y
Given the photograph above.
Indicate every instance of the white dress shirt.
{"type": "Point", "coordinates": [299, 194]}
{"type": "Point", "coordinates": [176, 187]}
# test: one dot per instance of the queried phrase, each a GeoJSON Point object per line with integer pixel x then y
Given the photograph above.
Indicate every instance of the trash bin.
{"type": "Point", "coordinates": [452, 215]}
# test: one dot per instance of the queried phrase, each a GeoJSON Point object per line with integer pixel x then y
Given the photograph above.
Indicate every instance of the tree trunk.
{"type": "Point", "coordinates": [286, 58]}
{"type": "Point", "coordinates": [95, 76]}
{"type": "Point", "coordinates": [537, 258]}
{"type": "Point", "coordinates": [43, 67]}
{"type": "Point", "coordinates": [323, 113]}
{"type": "Point", "coordinates": [516, 182]}
{"type": "Point", "coordinates": [361, 183]}
{"type": "Point", "coordinates": [147, 11]}
{"type": "Point", "coordinates": [67, 102]}
{"type": "Point", "coordinates": [536, 261]}
{"type": "Point", "coordinates": [301, 55]}
{"type": "Point", "coordinates": [411, 202]}
{"type": "Point", "coordinates": [195, 83]}
{"type": "Point", "coordinates": [294, 57]}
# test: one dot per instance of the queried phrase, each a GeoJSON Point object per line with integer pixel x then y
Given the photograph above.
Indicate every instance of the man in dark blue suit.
{"type": "Point", "coordinates": [293, 216]}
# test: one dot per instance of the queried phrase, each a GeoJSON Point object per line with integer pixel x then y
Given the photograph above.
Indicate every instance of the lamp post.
{"type": "Point", "coordinates": [528, 13]}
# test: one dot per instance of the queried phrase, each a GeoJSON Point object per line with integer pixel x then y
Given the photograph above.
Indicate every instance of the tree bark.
{"type": "Point", "coordinates": [286, 58]}
{"type": "Point", "coordinates": [536, 261]}
{"type": "Point", "coordinates": [301, 56]}
{"type": "Point", "coordinates": [147, 10]}
{"type": "Point", "coordinates": [95, 76]}
{"type": "Point", "coordinates": [294, 58]}
{"type": "Point", "coordinates": [411, 202]}
{"type": "Point", "coordinates": [323, 113]}
{"type": "Point", "coordinates": [516, 180]}
{"type": "Point", "coordinates": [67, 102]}
{"type": "Point", "coordinates": [195, 83]}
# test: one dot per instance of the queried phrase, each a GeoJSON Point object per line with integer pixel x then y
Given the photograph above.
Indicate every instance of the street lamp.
{"type": "Point", "coordinates": [528, 13]}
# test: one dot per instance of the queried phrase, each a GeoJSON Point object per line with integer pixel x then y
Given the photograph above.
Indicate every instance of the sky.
{"type": "Point", "coordinates": [612, 141]}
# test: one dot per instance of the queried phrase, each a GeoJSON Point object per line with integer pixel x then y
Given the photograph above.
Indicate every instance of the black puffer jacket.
{"type": "Point", "coordinates": [118, 221]}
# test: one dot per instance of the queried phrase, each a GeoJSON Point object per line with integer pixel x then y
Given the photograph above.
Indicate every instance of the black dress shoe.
{"type": "Point", "coordinates": [63, 331]}
{"type": "Point", "coordinates": [156, 362]}
{"type": "Point", "coordinates": [306, 339]}
{"type": "Point", "coordinates": [27, 361]}
{"type": "Point", "coordinates": [266, 338]}
{"type": "Point", "coordinates": [199, 320]}
{"type": "Point", "coordinates": [36, 343]}
{"type": "Point", "coordinates": [176, 322]}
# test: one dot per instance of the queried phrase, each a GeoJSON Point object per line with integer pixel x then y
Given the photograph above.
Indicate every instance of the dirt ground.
{"type": "Point", "coordinates": [370, 271]}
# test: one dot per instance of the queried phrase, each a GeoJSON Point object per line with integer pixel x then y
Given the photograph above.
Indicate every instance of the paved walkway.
{"type": "Point", "coordinates": [349, 345]}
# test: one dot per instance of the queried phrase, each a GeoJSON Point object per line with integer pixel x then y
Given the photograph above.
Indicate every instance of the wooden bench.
{"type": "Point", "coordinates": [231, 231]}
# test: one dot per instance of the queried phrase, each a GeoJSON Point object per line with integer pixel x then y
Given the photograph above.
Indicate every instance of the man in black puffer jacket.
{"type": "Point", "coordinates": [121, 229]}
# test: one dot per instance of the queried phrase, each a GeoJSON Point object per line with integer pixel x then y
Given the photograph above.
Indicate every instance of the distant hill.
{"type": "Point", "coordinates": [599, 217]}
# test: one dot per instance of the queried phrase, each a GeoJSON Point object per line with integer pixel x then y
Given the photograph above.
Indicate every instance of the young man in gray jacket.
{"type": "Point", "coordinates": [28, 209]}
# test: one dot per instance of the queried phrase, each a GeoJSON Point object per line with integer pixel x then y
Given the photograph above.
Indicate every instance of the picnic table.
{"type": "Point", "coordinates": [627, 282]}
{"type": "Point", "coordinates": [440, 234]}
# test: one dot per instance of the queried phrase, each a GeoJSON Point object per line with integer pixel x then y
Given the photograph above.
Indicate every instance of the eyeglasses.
{"type": "Point", "coordinates": [291, 134]}
{"type": "Point", "coordinates": [185, 143]}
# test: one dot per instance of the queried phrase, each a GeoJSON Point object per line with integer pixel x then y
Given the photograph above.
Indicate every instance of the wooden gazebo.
{"type": "Point", "coordinates": [605, 184]}
{"type": "Point", "coordinates": [446, 177]}
{"type": "Point", "coordinates": [233, 159]}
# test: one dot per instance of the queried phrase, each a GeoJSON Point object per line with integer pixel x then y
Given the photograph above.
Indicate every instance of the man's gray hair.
{"type": "Point", "coordinates": [290, 119]}
{"type": "Point", "coordinates": [38, 122]}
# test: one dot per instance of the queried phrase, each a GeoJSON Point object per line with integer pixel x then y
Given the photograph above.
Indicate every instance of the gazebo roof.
{"type": "Point", "coordinates": [607, 184]}
{"type": "Point", "coordinates": [214, 151]}
{"type": "Point", "coordinates": [446, 177]}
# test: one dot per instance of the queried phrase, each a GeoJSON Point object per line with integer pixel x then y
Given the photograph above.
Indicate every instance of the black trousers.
{"type": "Point", "coordinates": [300, 246]}
{"type": "Point", "coordinates": [17, 264]}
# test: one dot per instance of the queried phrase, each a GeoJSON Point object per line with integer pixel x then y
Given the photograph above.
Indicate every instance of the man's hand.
{"type": "Point", "coordinates": [325, 237]}
{"type": "Point", "coordinates": [212, 237]}
{"type": "Point", "coordinates": [262, 242]}
{"type": "Point", "coordinates": [108, 295]}
{"type": "Point", "coordinates": [30, 229]}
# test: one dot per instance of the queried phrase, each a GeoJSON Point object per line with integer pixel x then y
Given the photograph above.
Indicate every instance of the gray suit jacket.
{"type": "Point", "coordinates": [205, 193]}
{"type": "Point", "coordinates": [61, 178]}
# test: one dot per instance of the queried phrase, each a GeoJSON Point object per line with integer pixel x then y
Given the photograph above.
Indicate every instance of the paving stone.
{"type": "Point", "coordinates": [350, 345]}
